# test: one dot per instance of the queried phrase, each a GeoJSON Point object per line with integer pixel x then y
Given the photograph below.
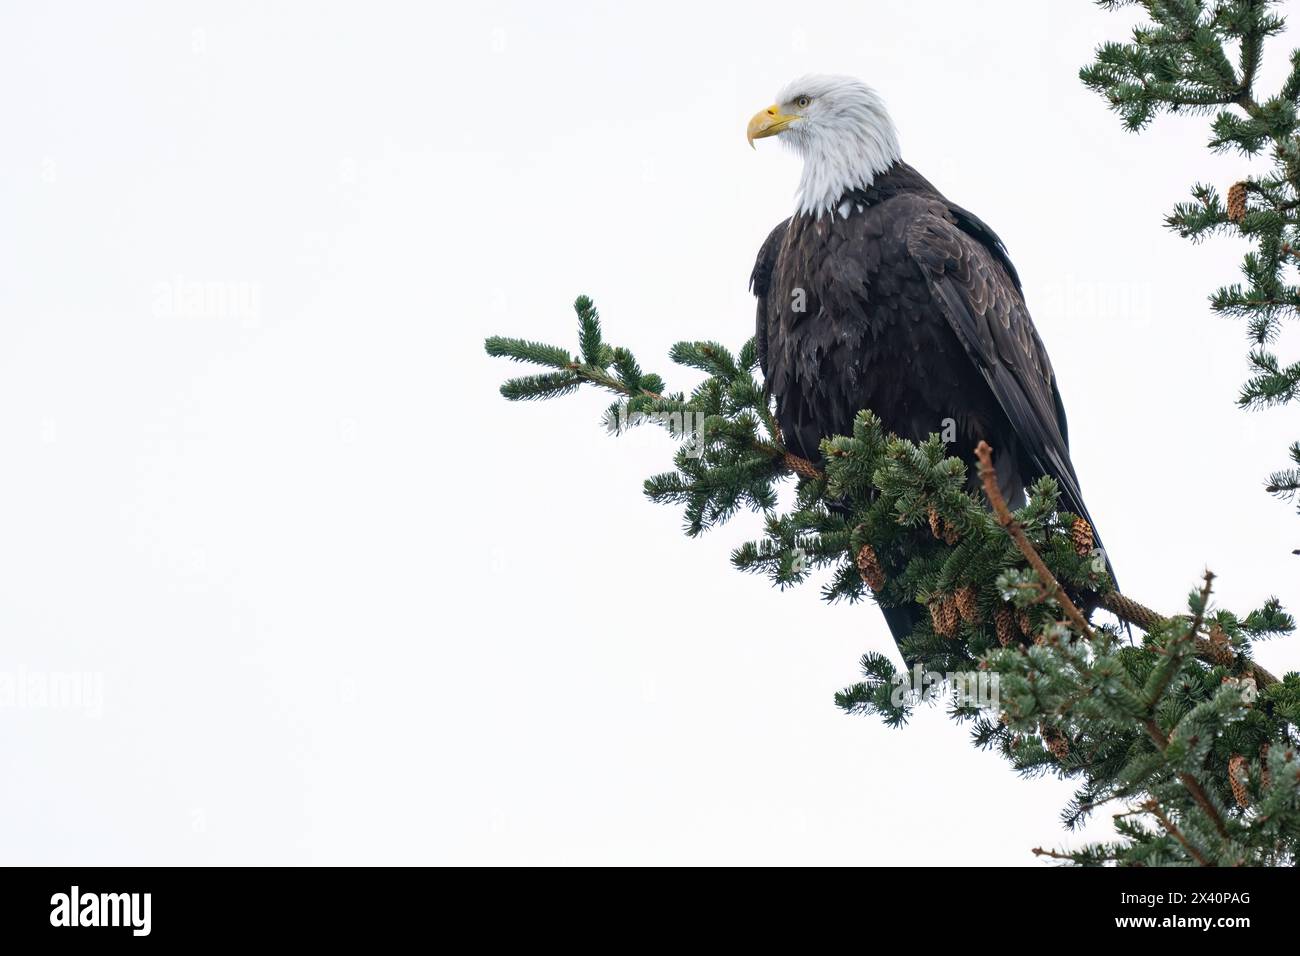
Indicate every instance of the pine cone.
{"type": "Point", "coordinates": [1004, 622]}
{"type": "Point", "coordinates": [1056, 742]}
{"type": "Point", "coordinates": [869, 567]}
{"type": "Point", "coordinates": [1265, 778]}
{"type": "Point", "coordinates": [951, 616]}
{"type": "Point", "coordinates": [1237, 202]}
{"type": "Point", "coordinates": [1025, 624]}
{"type": "Point", "coordinates": [1237, 775]}
{"type": "Point", "coordinates": [936, 616]}
{"type": "Point", "coordinates": [1081, 535]}
{"type": "Point", "coordinates": [968, 605]}
{"type": "Point", "coordinates": [941, 529]}
{"type": "Point", "coordinates": [936, 523]}
{"type": "Point", "coordinates": [944, 617]}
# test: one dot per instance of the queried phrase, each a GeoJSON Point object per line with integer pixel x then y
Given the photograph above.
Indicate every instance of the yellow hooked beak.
{"type": "Point", "coordinates": [767, 122]}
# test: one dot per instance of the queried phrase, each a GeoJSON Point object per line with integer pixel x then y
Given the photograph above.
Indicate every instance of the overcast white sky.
{"type": "Point", "coordinates": [341, 603]}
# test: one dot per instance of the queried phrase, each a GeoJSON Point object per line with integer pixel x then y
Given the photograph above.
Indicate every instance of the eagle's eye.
{"type": "Point", "coordinates": [802, 102]}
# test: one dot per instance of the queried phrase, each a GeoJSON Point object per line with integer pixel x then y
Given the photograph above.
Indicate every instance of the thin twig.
{"type": "Point", "coordinates": [1154, 809]}
{"type": "Point", "coordinates": [1039, 851]}
{"type": "Point", "coordinates": [989, 475]}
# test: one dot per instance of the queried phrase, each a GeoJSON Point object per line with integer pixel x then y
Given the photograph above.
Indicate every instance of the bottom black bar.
{"type": "Point", "coordinates": [99, 905]}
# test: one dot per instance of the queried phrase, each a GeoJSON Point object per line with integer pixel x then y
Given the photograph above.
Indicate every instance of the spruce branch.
{"type": "Point", "coordinates": [1182, 61]}
{"type": "Point", "coordinates": [897, 520]}
{"type": "Point", "coordinates": [628, 380]}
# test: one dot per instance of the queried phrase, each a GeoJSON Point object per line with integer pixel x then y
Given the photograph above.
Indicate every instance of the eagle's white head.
{"type": "Point", "coordinates": [840, 127]}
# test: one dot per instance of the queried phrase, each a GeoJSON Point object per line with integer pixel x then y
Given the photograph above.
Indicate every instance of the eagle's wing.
{"type": "Point", "coordinates": [760, 281]}
{"type": "Point", "coordinates": [981, 300]}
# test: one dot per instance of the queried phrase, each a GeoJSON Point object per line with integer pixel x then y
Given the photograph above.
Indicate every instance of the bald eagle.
{"type": "Point", "coordinates": [879, 293]}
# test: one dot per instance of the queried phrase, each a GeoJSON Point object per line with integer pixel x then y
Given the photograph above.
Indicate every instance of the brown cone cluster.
{"type": "Point", "coordinates": [1265, 778]}
{"type": "Point", "coordinates": [1237, 202]}
{"type": "Point", "coordinates": [1081, 535]}
{"type": "Point", "coordinates": [968, 604]}
{"type": "Point", "coordinates": [1004, 622]}
{"type": "Point", "coordinates": [944, 616]}
{"type": "Point", "coordinates": [1237, 774]}
{"type": "Point", "coordinates": [941, 529]}
{"type": "Point", "coordinates": [869, 567]}
{"type": "Point", "coordinates": [1056, 742]}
